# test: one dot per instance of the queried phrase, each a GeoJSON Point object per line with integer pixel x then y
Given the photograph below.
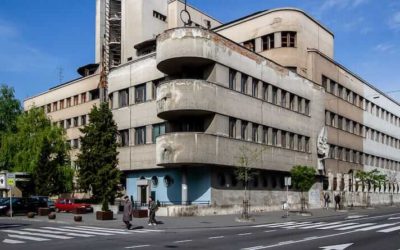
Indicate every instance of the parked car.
{"type": "Point", "coordinates": [51, 205]}
{"type": "Point", "coordinates": [68, 205]}
{"type": "Point", "coordinates": [20, 205]}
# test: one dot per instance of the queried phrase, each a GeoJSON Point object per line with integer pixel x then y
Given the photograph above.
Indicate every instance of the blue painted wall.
{"type": "Point", "coordinates": [199, 184]}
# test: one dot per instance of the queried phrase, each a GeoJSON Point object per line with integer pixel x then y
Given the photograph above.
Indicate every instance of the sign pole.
{"type": "Point", "coordinates": [11, 184]}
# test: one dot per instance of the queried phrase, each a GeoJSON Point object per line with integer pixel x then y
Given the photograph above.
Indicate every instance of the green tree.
{"type": "Point", "coordinates": [303, 177]}
{"type": "Point", "coordinates": [39, 148]}
{"type": "Point", "coordinates": [10, 109]}
{"type": "Point", "coordinates": [97, 161]}
{"type": "Point", "coordinates": [370, 179]}
{"type": "Point", "coordinates": [245, 172]}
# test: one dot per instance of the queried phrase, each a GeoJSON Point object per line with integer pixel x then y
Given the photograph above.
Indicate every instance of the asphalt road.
{"type": "Point", "coordinates": [368, 231]}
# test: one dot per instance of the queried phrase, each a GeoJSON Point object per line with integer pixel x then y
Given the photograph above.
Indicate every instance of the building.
{"type": "Point", "coordinates": [189, 98]}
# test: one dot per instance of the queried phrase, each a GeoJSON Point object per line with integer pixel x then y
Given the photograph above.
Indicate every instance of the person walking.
{"type": "Point", "coordinates": [152, 212]}
{"type": "Point", "coordinates": [127, 216]}
{"type": "Point", "coordinates": [337, 202]}
{"type": "Point", "coordinates": [326, 200]}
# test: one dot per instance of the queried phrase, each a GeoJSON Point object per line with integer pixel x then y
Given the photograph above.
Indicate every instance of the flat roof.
{"type": "Point", "coordinates": [265, 12]}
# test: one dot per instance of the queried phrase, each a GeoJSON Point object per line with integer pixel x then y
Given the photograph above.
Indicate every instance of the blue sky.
{"type": "Point", "coordinates": [42, 38]}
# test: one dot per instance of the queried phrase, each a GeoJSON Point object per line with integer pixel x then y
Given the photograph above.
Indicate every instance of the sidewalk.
{"type": "Point", "coordinates": [218, 221]}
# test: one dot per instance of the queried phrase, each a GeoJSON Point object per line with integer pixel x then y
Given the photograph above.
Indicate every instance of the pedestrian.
{"type": "Point", "coordinates": [153, 207]}
{"type": "Point", "coordinates": [326, 200]}
{"type": "Point", "coordinates": [337, 202]}
{"type": "Point", "coordinates": [127, 216]}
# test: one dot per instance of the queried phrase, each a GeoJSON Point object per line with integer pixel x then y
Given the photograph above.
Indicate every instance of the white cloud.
{"type": "Point", "coordinates": [394, 22]}
{"type": "Point", "coordinates": [341, 4]}
{"type": "Point", "coordinates": [384, 47]}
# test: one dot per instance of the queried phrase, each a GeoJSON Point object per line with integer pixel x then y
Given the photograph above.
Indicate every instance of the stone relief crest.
{"type": "Point", "coordinates": [322, 147]}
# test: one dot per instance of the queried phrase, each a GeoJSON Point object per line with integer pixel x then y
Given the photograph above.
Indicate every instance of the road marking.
{"type": "Point", "coordinates": [269, 231]}
{"type": "Point", "coordinates": [299, 241]}
{"type": "Point", "coordinates": [8, 241]}
{"type": "Point", "coordinates": [377, 226]}
{"type": "Point", "coordinates": [337, 247]}
{"type": "Point", "coordinates": [394, 218]}
{"type": "Point", "coordinates": [104, 228]}
{"type": "Point", "coordinates": [139, 246]}
{"type": "Point", "coordinates": [77, 231]}
{"type": "Point", "coordinates": [55, 232]}
{"type": "Point", "coordinates": [355, 216]}
{"type": "Point", "coordinates": [98, 230]}
{"type": "Point", "coordinates": [215, 237]}
{"type": "Point", "coordinates": [243, 234]}
{"type": "Point", "coordinates": [336, 226]}
{"type": "Point", "coordinates": [311, 238]}
{"type": "Point", "coordinates": [11, 225]}
{"type": "Point", "coordinates": [39, 234]}
{"type": "Point", "coordinates": [23, 237]}
{"type": "Point", "coordinates": [285, 242]}
{"type": "Point", "coordinates": [182, 241]}
{"type": "Point", "coordinates": [355, 226]}
{"type": "Point", "coordinates": [388, 230]}
{"type": "Point", "coordinates": [254, 248]}
{"type": "Point", "coordinates": [314, 225]}
{"type": "Point", "coordinates": [299, 225]}
{"type": "Point", "coordinates": [275, 224]}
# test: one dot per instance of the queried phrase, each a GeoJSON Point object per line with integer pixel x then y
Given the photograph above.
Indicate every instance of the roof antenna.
{"type": "Point", "coordinates": [185, 16]}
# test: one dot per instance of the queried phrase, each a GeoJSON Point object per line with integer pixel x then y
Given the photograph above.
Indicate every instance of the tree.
{"type": "Point", "coordinates": [371, 178]}
{"type": "Point", "coordinates": [245, 172]}
{"type": "Point", "coordinates": [97, 161]}
{"type": "Point", "coordinates": [39, 148]}
{"type": "Point", "coordinates": [303, 178]}
{"type": "Point", "coordinates": [10, 109]}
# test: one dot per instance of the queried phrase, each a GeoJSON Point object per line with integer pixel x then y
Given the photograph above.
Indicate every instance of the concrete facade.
{"type": "Point", "coordinates": [187, 100]}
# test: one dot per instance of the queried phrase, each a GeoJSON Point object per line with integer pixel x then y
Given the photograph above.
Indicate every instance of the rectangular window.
{"type": "Point", "coordinates": [158, 129]}
{"type": "Point", "coordinates": [61, 104]}
{"type": "Point", "coordinates": [159, 16]}
{"type": "Point", "coordinates": [283, 99]}
{"type": "Point", "coordinates": [307, 108]}
{"type": "Point", "coordinates": [243, 83]}
{"type": "Point", "coordinates": [75, 121]}
{"type": "Point", "coordinates": [274, 95]}
{"type": "Point", "coordinates": [325, 82]}
{"type": "Point", "coordinates": [140, 135]}
{"type": "Point", "coordinates": [254, 134]}
{"type": "Point", "coordinates": [76, 100]}
{"type": "Point", "coordinates": [288, 39]}
{"type": "Point", "coordinates": [274, 137]}
{"type": "Point", "coordinates": [307, 144]}
{"type": "Point", "coordinates": [94, 94]}
{"type": "Point", "coordinates": [283, 139]}
{"type": "Point", "coordinates": [83, 120]}
{"type": "Point", "coordinates": [75, 143]}
{"type": "Point", "coordinates": [243, 131]}
{"type": "Point", "coordinates": [123, 98]}
{"type": "Point", "coordinates": [83, 97]}
{"type": "Point", "coordinates": [124, 137]}
{"type": "Point", "coordinates": [48, 108]}
{"type": "Point", "coordinates": [265, 91]}
{"type": "Point", "coordinates": [68, 102]}
{"type": "Point", "coordinates": [251, 45]}
{"type": "Point", "coordinates": [54, 106]}
{"type": "Point", "coordinates": [140, 93]}
{"type": "Point", "coordinates": [232, 79]}
{"type": "Point", "coordinates": [291, 141]}
{"type": "Point", "coordinates": [254, 88]}
{"type": "Point", "coordinates": [232, 127]}
{"type": "Point", "coordinates": [268, 42]}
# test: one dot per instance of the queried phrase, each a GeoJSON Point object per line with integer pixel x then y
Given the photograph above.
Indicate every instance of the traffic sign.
{"type": "Point", "coordinates": [10, 182]}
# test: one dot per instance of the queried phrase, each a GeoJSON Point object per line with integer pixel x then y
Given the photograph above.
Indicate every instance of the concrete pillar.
{"type": "Point", "coordinates": [260, 90]}
{"type": "Point", "coordinates": [260, 134]}
{"type": "Point", "coordinates": [339, 181]}
{"type": "Point", "coordinates": [278, 39]}
{"type": "Point", "coordinates": [238, 129]}
{"type": "Point", "coordinates": [238, 79]}
{"type": "Point", "coordinates": [258, 42]}
{"type": "Point", "coordinates": [269, 136]}
{"type": "Point", "coordinates": [269, 97]}
{"type": "Point", "coordinates": [330, 181]}
{"type": "Point", "coordinates": [279, 97]}
{"type": "Point", "coordinates": [149, 133]}
{"type": "Point", "coordinates": [296, 103]}
{"type": "Point", "coordinates": [184, 187]}
{"type": "Point", "coordinates": [346, 182]}
{"type": "Point", "coordinates": [279, 139]}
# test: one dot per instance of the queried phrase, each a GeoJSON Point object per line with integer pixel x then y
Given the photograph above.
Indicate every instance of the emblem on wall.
{"type": "Point", "coordinates": [322, 148]}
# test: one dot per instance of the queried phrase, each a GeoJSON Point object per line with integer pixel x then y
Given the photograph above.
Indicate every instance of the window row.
{"type": "Point", "coordinates": [72, 101]}
{"type": "Point", "coordinates": [140, 135]}
{"type": "Point", "coordinates": [261, 179]}
{"type": "Point", "coordinates": [74, 143]}
{"type": "Point", "coordinates": [73, 122]}
{"type": "Point", "coordinates": [140, 95]}
{"type": "Point", "coordinates": [270, 93]}
{"type": "Point", "coordinates": [350, 155]}
{"type": "Point", "coordinates": [244, 130]}
{"type": "Point", "coordinates": [357, 100]}
{"type": "Point", "coordinates": [345, 124]}
{"type": "Point", "coordinates": [160, 16]}
{"type": "Point", "coordinates": [270, 41]}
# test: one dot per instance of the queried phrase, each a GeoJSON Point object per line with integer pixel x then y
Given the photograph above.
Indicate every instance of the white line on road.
{"type": "Point", "coordinates": [39, 234]}
{"type": "Point", "coordinates": [77, 231]}
{"type": "Point", "coordinates": [275, 224]}
{"type": "Point", "coordinates": [355, 226]}
{"type": "Point", "coordinates": [388, 230]}
{"type": "Point", "coordinates": [298, 241]}
{"type": "Point", "coordinates": [377, 226]}
{"type": "Point", "coordinates": [327, 224]}
{"type": "Point", "coordinates": [23, 237]}
{"type": "Point", "coordinates": [98, 230]}
{"type": "Point", "coordinates": [243, 234]}
{"type": "Point", "coordinates": [336, 226]}
{"type": "Point", "coordinates": [311, 238]}
{"type": "Point", "coordinates": [215, 237]}
{"type": "Point", "coordinates": [104, 228]}
{"type": "Point", "coordinates": [299, 225]}
{"type": "Point", "coordinates": [182, 241]}
{"type": "Point", "coordinates": [55, 232]}
{"type": "Point", "coordinates": [8, 241]}
{"type": "Point", "coordinates": [314, 225]}
{"type": "Point", "coordinates": [139, 246]}
{"type": "Point", "coordinates": [269, 231]}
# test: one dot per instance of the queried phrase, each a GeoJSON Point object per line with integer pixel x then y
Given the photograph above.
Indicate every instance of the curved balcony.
{"type": "Point", "coordinates": [180, 97]}
{"type": "Point", "coordinates": [185, 148]}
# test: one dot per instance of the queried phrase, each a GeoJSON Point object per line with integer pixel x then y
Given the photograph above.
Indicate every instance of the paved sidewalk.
{"type": "Point", "coordinates": [217, 221]}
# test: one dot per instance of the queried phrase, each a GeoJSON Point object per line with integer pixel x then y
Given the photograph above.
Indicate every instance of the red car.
{"type": "Point", "coordinates": [68, 205]}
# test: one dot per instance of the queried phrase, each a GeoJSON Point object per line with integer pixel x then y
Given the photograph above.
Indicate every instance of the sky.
{"type": "Point", "coordinates": [43, 42]}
